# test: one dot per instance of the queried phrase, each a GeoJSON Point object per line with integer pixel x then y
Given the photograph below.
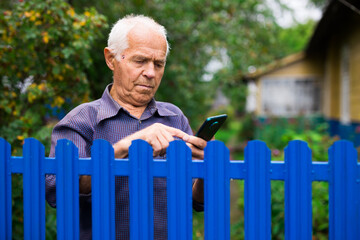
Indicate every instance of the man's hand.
{"type": "Point", "coordinates": [197, 146]}
{"type": "Point", "coordinates": [159, 137]}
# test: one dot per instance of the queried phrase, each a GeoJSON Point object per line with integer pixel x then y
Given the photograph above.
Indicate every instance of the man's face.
{"type": "Point", "coordinates": [138, 74]}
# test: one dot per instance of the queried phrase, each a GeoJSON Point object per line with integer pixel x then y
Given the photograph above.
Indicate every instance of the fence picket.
{"type": "Point", "coordinates": [343, 192]}
{"type": "Point", "coordinates": [67, 190]}
{"type": "Point", "coordinates": [217, 191]}
{"type": "Point", "coordinates": [342, 172]}
{"type": "Point", "coordinates": [298, 205]}
{"type": "Point", "coordinates": [34, 190]}
{"type": "Point", "coordinates": [103, 190]}
{"type": "Point", "coordinates": [179, 192]}
{"type": "Point", "coordinates": [141, 190]}
{"type": "Point", "coordinates": [257, 191]}
{"type": "Point", "coordinates": [5, 190]}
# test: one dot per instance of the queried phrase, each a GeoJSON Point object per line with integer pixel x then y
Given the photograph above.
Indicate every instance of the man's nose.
{"type": "Point", "coordinates": [149, 71]}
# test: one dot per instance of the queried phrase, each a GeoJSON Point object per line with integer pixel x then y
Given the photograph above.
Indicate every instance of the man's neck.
{"type": "Point", "coordinates": [135, 111]}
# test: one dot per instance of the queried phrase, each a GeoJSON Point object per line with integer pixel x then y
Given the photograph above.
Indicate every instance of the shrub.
{"type": "Point", "coordinates": [44, 52]}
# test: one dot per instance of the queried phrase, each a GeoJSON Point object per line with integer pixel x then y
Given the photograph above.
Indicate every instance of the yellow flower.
{"type": "Point", "coordinates": [59, 101]}
{"type": "Point", "coordinates": [82, 23]}
{"type": "Point", "coordinates": [21, 138]}
{"type": "Point", "coordinates": [27, 14]}
{"type": "Point", "coordinates": [71, 12]}
{"type": "Point", "coordinates": [42, 86]}
{"type": "Point", "coordinates": [87, 13]}
{"type": "Point", "coordinates": [45, 37]}
{"type": "Point", "coordinates": [67, 66]}
{"type": "Point", "coordinates": [37, 23]}
{"type": "Point", "coordinates": [76, 25]}
{"type": "Point", "coordinates": [13, 94]}
{"type": "Point", "coordinates": [31, 97]}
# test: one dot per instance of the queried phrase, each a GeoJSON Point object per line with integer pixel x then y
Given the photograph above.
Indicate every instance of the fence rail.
{"type": "Point", "coordinates": [342, 172]}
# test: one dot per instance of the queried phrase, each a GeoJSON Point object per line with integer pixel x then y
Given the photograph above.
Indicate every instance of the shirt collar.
{"type": "Point", "coordinates": [163, 111]}
{"type": "Point", "coordinates": [109, 107]}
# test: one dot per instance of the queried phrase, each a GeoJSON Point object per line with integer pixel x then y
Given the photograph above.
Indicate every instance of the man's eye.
{"type": "Point", "coordinates": [159, 65]}
{"type": "Point", "coordinates": [140, 61]}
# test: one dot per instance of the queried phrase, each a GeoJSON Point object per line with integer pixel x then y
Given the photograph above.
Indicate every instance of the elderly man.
{"type": "Point", "coordinates": [136, 53]}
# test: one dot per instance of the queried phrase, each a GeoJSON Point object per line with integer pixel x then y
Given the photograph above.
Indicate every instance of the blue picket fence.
{"type": "Point", "coordinates": [297, 171]}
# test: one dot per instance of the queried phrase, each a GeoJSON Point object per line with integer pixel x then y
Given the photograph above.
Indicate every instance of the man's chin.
{"type": "Point", "coordinates": [142, 101]}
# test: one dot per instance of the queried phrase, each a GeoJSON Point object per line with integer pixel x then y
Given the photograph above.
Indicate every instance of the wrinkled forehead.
{"type": "Point", "coordinates": [144, 37]}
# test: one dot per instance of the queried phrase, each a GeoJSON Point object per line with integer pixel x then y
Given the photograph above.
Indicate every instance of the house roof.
{"type": "Point", "coordinates": [286, 61]}
{"type": "Point", "coordinates": [336, 16]}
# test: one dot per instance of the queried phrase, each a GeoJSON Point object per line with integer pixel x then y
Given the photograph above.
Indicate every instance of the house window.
{"type": "Point", "coordinates": [290, 96]}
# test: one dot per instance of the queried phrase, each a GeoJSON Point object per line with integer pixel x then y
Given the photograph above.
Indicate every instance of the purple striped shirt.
{"type": "Point", "coordinates": [106, 119]}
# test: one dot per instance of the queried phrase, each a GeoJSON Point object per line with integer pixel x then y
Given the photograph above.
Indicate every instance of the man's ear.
{"type": "Point", "coordinates": [109, 58]}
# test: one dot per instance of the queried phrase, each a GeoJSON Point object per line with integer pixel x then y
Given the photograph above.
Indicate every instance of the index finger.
{"type": "Point", "coordinates": [178, 133]}
{"type": "Point", "coordinates": [197, 142]}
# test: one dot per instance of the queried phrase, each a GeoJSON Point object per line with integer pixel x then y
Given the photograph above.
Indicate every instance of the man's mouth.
{"type": "Point", "coordinates": [149, 86]}
{"type": "Point", "coordinates": [144, 86]}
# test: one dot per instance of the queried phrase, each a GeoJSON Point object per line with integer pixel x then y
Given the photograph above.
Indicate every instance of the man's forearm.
{"type": "Point", "coordinates": [85, 184]}
{"type": "Point", "coordinates": [121, 150]}
{"type": "Point", "coordinates": [198, 190]}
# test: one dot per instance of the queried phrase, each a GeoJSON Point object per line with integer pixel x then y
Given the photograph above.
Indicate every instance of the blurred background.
{"type": "Point", "coordinates": [281, 70]}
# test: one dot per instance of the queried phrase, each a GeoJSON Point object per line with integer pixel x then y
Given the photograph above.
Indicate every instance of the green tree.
{"type": "Point", "coordinates": [295, 38]}
{"type": "Point", "coordinates": [44, 51]}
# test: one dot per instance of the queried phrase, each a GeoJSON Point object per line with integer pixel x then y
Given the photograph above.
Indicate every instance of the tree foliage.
{"type": "Point", "coordinates": [44, 51]}
{"type": "Point", "coordinates": [295, 38]}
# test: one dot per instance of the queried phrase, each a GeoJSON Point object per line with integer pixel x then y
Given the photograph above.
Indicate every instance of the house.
{"type": "Point", "coordinates": [288, 87]}
{"type": "Point", "coordinates": [324, 79]}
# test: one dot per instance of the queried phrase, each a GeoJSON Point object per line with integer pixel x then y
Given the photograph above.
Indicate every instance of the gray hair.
{"type": "Point", "coordinates": [118, 37]}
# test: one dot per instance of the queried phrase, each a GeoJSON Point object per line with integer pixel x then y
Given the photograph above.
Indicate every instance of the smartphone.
{"type": "Point", "coordinates": [210, 126]}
